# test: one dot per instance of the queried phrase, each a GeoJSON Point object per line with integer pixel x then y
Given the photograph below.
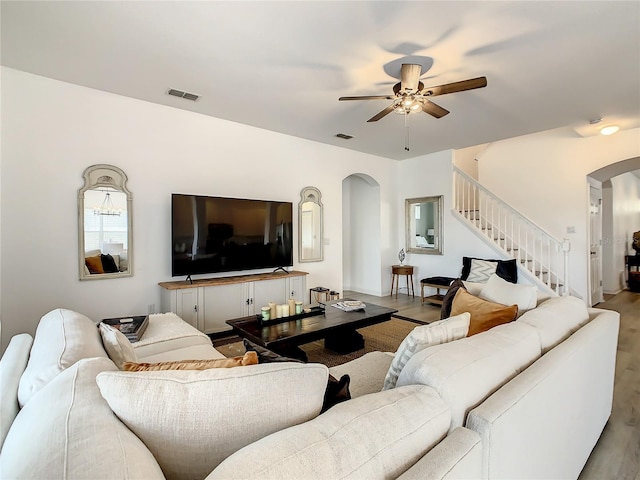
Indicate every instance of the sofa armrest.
{"type": "Point", "coordinates": [457, 456]}
{"type": "Point", "coordinates": [12, 364]}
{"type": "Point", "coordinates": [558, 407]}
{"type": "Point", "coordinates": [168, 337]}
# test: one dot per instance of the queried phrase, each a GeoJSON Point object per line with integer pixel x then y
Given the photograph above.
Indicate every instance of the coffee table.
{"type": "Point", "coordinates": [335, 326]}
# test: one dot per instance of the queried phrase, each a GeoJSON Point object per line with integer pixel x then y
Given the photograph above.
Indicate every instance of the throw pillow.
{"type": "Point", "coordinates": [447, 300]}
{"type": "Point", "coordinates": [117, 346]}
{"type": "Point", "coordinates": [507, 269]}
{"type": "Point", "coordinates": [484, 314]}
{"type": "Point", "coordinates": [108, 264]}
{"type": "Point", "coordinates": [94, 264]}
{"type": "Point", "coordinates": [498, 290]}
{"type": "Point", "coordinates": [481, 270]}
{"type": "Point", "coordinates": [337, 390]}
{"type": "Point", "coordinates": [424, 336]}
{"type": "Point", "coordinates": [249, 358]}
{"type": "Point", "coordinates": [191, 420]}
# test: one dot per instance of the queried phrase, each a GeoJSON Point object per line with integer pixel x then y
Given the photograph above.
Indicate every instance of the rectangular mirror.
{"type": "Point", "coordinates": [424, 225]}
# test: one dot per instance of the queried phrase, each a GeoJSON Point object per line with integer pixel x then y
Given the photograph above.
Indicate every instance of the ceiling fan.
{"type": "Point", "coordinates": [410, 94]}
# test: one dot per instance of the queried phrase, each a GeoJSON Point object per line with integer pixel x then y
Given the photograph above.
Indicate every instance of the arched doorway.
{"type": "Point", "coordinates": [620, 215]}
{"type": "Point", "coordinates": [361, 242]}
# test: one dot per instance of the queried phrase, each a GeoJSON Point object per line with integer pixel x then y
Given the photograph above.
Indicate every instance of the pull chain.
{"type": "Point", "coordinates": [406, 131]}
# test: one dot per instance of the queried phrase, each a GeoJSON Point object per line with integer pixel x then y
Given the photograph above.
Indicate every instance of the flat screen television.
{"type": "Point", "coordinates": [218, 234]}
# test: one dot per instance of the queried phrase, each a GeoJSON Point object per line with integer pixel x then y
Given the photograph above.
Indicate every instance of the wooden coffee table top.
{"type": "Point", "coordinates": [298, 330]}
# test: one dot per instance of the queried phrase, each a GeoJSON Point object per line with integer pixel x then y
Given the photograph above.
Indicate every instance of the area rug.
{"type": "Point", "coordinates": [384, 337]}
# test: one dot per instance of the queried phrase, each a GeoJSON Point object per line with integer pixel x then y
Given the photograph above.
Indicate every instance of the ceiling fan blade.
{"type": "Point", "coordinates": [369, 97]}
{"type": "Point", "coordinates": [381, 114]}
{"type": "Point", "coordinates": [433, 109]}
{"type": "Point", "coordinates": [409, 77]}
{"type": "Point", "coordinates": [455, 87]}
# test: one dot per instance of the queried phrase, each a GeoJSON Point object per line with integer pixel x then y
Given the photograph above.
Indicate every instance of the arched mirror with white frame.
{"type": "Point", "coordinates": [424, 225]}
{"type": "Point", "coordinates": [105, 233]}
{"type": "Point", "coordinates": [310, 226]}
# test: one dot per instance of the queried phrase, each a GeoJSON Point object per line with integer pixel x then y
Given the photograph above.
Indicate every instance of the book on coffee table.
{"type": "Point", "coordinates": [132, 327]}
{"type": "Point", "coordinates": [349, 305]}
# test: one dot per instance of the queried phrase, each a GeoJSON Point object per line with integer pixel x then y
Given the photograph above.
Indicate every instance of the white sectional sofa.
{"type": "Point", "coordinates": [527, 399]}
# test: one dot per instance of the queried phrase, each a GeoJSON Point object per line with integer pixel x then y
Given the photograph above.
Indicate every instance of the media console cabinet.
{"type": "Point", "coordinates": [208, 303]}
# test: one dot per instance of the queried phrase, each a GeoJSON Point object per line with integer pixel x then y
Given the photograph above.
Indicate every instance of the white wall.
{"type": "Point", "coordinates": [425, 176]}
{"type": "Point", "coordinates": [52, 131]}
{"type": "Point", "coordinates": [544, 176]}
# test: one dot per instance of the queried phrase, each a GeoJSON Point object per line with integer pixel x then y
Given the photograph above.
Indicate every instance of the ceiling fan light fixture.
{"type": "Point", "coordinates": [609, 129]}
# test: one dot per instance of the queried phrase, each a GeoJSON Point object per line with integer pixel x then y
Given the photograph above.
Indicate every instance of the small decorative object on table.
{"type": "Point", "coordinates": [635, 243]}
{"type": "Point", "coordinates": [401, 256]}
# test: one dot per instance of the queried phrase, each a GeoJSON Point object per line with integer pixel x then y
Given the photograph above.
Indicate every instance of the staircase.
{"type": "Point", "coordinates": [541, 258]}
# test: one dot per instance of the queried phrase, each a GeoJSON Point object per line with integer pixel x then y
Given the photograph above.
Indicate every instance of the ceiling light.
{"type": "Point", "coordinates": [609, 129]}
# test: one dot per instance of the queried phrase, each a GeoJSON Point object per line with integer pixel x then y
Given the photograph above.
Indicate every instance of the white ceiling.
{"type": "Point", "coordinates": [281, 66]}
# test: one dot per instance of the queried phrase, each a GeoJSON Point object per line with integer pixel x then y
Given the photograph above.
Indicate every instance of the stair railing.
{"type": "Point", "coordinates": [543, 258]}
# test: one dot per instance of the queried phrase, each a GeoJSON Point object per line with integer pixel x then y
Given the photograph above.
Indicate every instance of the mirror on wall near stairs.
{"type": "Point", "coordinates": [424, 225]}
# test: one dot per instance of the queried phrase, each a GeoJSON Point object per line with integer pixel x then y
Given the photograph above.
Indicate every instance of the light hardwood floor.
{"type": "Point", "coordinates": [617, 453]}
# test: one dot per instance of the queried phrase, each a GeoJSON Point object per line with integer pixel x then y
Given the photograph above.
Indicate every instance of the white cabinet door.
{"type": "Point", "coordinates": [266, 291]}
{"type": "Point", "coordinates": [221, 303]}
{"type": "Point", "coordinates": [297, 288]}
{"type": "Point", "coordinates": [187, 305]}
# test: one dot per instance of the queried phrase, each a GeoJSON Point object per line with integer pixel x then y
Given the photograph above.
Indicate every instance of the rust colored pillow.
{"type": "Point", "coordinates": [249, 358]}
{"type": "Point", "coordinates": [94, 264]}
{"type": "Point", "coordinates": [484, 314]}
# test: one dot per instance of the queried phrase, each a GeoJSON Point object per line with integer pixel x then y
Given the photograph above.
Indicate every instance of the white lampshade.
{"type": "Point", "coordinates": [112, 248]}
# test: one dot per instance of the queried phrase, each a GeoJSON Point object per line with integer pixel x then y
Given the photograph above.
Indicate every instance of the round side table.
{"type": "Point", "coordinates": [407, 271]}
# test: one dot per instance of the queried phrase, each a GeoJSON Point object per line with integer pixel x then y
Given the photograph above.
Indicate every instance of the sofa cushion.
{"type": "Point", "coordinates": [484, 314]}
{"type": "Point", "coordinates": [168, 337]}
{"type": "Point", "coordinates": [498, 290]}
{"type": "Point", "coordinates": [507, 269]}
{"type": "Point", "coordinates": [68, 431]}
{"type": "Point", "coordinates": [467, 371]}
{"type": "Point", "coordinates": [12, 365]}
{"type": "Point", "coordinates": [191, 420]}
{"type": "Point", "coordinates": [556, 319]}
{"type": "Point", "coordinates": [376, 436]}
{"type": "Point", "coordinates": [366, 373]}
{"type": "Point", "coordinates": [62, 338]}
{"type": "Point", "coordinates": [117, 345]}
{"type": "Point", "coordinates": [422, 337]}
{"type": "Point", "coordinates": [337, 389]}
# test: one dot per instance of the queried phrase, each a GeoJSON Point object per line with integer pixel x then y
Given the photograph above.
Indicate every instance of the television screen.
{"type": "Point", "coordinates": [217, 234]}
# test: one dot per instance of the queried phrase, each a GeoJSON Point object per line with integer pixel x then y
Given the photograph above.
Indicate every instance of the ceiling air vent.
{"type": "Point", "coordinates": [344, 136]}
{"type": "Point", "coordinates": [186, 95]}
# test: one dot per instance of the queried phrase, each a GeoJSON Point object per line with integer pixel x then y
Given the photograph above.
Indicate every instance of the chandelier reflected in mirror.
{"type": "Point", "coordinates": [107, 208]}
